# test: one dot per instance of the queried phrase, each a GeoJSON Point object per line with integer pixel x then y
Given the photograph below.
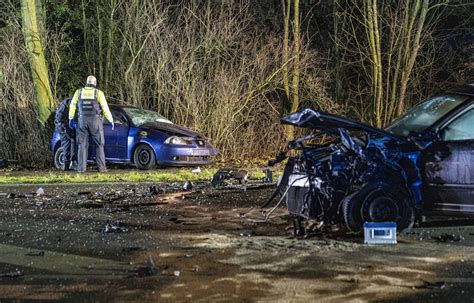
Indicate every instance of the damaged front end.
{"type": "Point", "coordinates": [361, 174]}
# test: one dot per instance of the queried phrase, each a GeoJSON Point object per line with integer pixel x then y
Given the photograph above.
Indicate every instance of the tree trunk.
{"type": "Point", "coordinates": [286, 43]}
{"type": "Point", "coordinates": [39, 70]}
{"type": "Point", "coordinates": [411, 59]}
{"type": "Point", "coordinates": [295, 99]}
{"type": "Point", "coordinates": [373, 33]}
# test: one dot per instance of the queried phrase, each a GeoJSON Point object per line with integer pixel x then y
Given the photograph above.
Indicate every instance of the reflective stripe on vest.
{"type": "Point", "coordinates": [88, 104]}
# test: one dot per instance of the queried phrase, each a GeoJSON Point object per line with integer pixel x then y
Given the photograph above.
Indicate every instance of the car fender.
{"type": "Point", "coordinates": [55, 142]}
{"type": "Point", "coordinates": [140, 142]}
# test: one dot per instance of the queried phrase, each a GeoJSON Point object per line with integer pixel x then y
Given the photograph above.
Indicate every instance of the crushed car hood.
{"type": "Point", "coordinates": [329, 123]}
{"type": "Point", "coordinates": [171, 129]}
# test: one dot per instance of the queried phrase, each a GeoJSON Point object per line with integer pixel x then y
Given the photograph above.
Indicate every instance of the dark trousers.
{"type": "Point", "coordinates": [68, 144]}
{"type": "Point", "coordinates": [90, 128]}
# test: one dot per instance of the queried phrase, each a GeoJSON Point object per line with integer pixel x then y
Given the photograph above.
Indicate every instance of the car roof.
{"type": "Point", "coordinates": [116, 106]}
{"type": "Point", "coordinates": [467, 89]}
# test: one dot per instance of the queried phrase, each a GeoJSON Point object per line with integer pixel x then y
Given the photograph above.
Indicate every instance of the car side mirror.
{"type": "Point", "coordinates": [434, 135]}
{"type": "Point", "coordinates": [438, 135]}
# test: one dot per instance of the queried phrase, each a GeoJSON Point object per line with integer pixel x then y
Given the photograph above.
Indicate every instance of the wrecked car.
{"type": "Point", "coordinates": [422, 163]}
{"type": "Point", "coordinates": [145, 138]}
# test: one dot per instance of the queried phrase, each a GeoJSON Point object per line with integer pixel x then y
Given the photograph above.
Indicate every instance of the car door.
{"type": "Point", "coordinates": [121, 131]}
{"type": "Point", "coordinates": [110, 140]}
{"type": "Point", "coordinates": [449, 167]}
{"type": "Point", "coordinates": [114, 149]}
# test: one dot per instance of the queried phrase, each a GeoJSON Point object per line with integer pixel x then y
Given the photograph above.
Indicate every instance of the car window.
{"type": "Point", "coordinates": [119, 117]}
{"type": "Point", "coordinates": [460, 129]}
{"type": "Point", "coordinates": [141, 116]}
{"type": "Point", "coordinates": [422, 116]}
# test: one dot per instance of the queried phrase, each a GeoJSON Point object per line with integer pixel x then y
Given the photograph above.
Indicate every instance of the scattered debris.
{"type": "Point", "coordinates": [247, 233]}
{"type": "Point", "coordinates": [196, 170]}
{"type": "Point", "coordinates": [188, 185]}
{"type": "Point", "coordinates": [17, 273]}
{"type": "Point", "coordinates": [227, 174]}
{"type": "Point", "coordinates": [154, 190]}
{"type": "Point", "coordinates": [83, 193]}
{"type": "Point", "coordinates": [434, 285]}
{"type": "Point", "coordinates": [39, 191]}
{"type": "Point", "coordinates": [36, 254]}
{"type": "Point", "coordinates": [448, 238]}
{"type": "Point", "coordinates": [149, 269]}
{"type": "Point", "coordinates": [176, 273]}
{"type": "Point", "coordinates": [113, 228]}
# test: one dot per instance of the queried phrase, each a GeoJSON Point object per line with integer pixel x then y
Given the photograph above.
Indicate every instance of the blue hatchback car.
{"type": "Point", "coordinates": [146, 139]}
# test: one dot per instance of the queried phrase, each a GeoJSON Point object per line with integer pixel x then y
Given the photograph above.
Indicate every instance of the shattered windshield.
{"type": "Point", "coordinates": [141, 116]}
{"type": "Point", "coordinates": [425, 114]}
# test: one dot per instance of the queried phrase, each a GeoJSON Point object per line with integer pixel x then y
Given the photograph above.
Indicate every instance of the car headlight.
{"type": "Point", "coordinates": [174, 140]}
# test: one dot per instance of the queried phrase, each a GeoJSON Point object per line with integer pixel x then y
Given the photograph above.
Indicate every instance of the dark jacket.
{"type": "Point", "coordinates": [61, 120]}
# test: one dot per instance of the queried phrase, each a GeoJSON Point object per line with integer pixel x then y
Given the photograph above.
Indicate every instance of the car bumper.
{"type": "Point", "coordinates": [184, 156]}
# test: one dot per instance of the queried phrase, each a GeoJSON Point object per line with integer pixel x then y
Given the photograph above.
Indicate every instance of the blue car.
{"type": "Point", "coordinates": [146, 139]}
{"type": "Point", "coordinates": [420, 164]}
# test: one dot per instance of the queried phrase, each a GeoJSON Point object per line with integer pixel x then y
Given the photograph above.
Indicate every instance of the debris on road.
{"type": "Point", "coordinates": [433, 285]}
{"type": "Point", "coordinates": [39, 191]}
{"type": "Point", "coordinates": [155, 190]}
{"type": "Point", "coordinates": [113, 228]}
{"type": "Point", "coordinates": [247, 233]}
{"type": "Point", "coordinates": [448, 238]}
{"type": "Point", "coordinates": [17, 273]}
{"type": "Point", "coordinates": [149, 269]}
{"type": "Point", "coordinates": [83, 193]}
{"type": "Point", "coordinates": [224, 176]}
{"type": "Point", "coordinates": [188, 185]}
{"type": "Point", "coordinates": [36, 254]}
{"type": "Point", "coordinates": [196, 170]}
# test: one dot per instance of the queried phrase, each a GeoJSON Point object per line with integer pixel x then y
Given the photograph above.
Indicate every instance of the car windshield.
{"type": "Point", "coordinates": [425, 114]}
{"type": "Point", "coordinates": [141, 116]}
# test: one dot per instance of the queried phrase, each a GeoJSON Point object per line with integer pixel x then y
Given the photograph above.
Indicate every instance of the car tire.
{"type": "Point", "coordinates": [59, 158]}
{"type": "Point", "coordinates": [379, 202]}
{"type": "Point", "coordinates": [144, 157]}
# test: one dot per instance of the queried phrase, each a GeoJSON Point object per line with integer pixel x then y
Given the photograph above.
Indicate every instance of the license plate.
{"type": "Point", "coordinates": [200, 152]}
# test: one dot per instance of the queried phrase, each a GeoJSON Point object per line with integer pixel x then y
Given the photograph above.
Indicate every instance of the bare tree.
{"type": "Point", "coordinates": [39, 70]}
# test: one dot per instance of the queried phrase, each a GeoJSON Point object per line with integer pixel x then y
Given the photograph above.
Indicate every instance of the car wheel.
{"type": "Point", "coordinates": [379, 203]}
{"type": "Point", "coordinates": [59, 158]}
{"type": "Point", "coordinates": [144, 157]}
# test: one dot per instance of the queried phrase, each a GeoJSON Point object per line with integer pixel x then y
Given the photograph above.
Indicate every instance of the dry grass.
{"type": "Point", "coordinates": [216, 70]}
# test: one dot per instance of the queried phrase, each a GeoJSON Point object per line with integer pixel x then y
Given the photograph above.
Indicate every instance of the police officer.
{"type": "Point", "coordinates": [66, 134]}
{"type": "Point", "coordinates": [90, 103]}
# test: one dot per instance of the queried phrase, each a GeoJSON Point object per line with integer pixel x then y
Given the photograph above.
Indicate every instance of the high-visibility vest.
{"type": "Point", "coordinates": [88, 103]}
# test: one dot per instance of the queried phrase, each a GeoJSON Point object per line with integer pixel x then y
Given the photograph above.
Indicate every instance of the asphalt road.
{"type": "Point", "coordinates": [116, 242]}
